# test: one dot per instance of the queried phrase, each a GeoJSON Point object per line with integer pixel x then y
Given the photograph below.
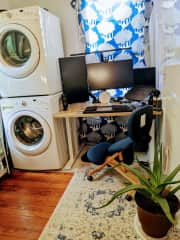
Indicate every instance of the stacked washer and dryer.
{"type": "Point", "coordinates": [30, 88]}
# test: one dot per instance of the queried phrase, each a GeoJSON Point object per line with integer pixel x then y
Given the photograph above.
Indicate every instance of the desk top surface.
{"type": "Point", "coordinates": [76, 110]}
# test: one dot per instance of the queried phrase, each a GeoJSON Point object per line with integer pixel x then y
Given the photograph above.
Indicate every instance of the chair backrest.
{"type": "Point", "coordinates": [139, 124]}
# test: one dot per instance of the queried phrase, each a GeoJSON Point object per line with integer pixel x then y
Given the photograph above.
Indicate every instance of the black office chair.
{"type": "Point", "coordinates": [137, 139]}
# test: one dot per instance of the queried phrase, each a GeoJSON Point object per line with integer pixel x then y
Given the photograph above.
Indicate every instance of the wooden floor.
{"type": "Point", "coordinates": [26, 202]}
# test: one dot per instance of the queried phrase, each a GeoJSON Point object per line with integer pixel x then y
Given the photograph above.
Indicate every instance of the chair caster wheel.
{"type": "Point", "coordinates": [128, 197]}
{"type": "Point", "coordinates": [89, 178]}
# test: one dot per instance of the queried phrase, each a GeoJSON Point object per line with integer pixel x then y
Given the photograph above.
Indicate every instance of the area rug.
{"type": "Point", "coordinates": [75, 217]}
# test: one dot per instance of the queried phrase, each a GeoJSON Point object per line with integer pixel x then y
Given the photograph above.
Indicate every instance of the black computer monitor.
{"type": "Point", "coordinates": [74, 78]}
{"type": "Point", "coordinates": [145, 76]}
{"type": "Point", "coordinates": [110, 75]}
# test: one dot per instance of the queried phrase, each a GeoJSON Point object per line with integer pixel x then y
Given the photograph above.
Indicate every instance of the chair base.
{"type": "Point", "coordinates": [115, 162]}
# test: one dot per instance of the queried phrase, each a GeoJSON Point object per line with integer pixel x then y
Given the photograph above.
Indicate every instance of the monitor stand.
{"type": "Point", "coordinates": [104, 97]}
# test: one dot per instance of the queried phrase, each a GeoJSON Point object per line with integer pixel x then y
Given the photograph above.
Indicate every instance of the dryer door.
{"type": "Point", "coordinates": [19, 51]}
{"type": "Point", "coordinates": [29, 132]}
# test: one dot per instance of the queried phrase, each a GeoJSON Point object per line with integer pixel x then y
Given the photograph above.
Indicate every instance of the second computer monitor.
{"type": "Point", "coordinates": [74, 79]}
{"type": "Point", "coordinates": [145, 76]}
{"type": "Point", "coordinates": [110, 75]}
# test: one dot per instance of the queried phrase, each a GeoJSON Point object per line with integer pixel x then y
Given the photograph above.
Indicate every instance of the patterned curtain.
{"type": "Point", "coordinates": [110, 25]}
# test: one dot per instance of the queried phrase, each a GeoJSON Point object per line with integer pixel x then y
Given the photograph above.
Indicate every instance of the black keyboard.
{"type": "Point", "coordinates": [108, 109]}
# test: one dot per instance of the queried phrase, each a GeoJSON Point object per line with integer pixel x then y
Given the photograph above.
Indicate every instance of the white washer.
{"type": "Point", "coordinates": [30, 45]}
{"type": "Point", "coordinates": [35, 140]}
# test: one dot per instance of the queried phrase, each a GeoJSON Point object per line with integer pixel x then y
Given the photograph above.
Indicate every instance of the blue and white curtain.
{"type": "Point", "coordinates": [116, 24]}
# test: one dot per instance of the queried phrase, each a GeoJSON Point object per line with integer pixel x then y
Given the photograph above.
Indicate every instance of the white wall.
{"type": "Point", "coordinates": [68, 17]}
{"type": "Point", "coordinates": [4, 4]}
{"type": "Point", "coordinates": [171, 114]}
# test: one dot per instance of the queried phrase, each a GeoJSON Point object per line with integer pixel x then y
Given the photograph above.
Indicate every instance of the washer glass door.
{"type": "Point", "coordinates": [16, 48]}
{"type": "Point", "coordinates": [28, 130]}
{"type": "Point", "coordinates": [30, 133]}
{"type": "Point", "coordinates": [19, 51]}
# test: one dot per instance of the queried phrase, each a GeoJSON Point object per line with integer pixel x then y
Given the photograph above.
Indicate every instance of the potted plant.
{"type": "Point", "coordinates": [154, 196]}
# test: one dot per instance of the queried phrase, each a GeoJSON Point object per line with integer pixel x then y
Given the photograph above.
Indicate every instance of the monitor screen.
{"type": "Point", "coordinates": [74, 78]}
{"type": "Point", "coordinates": [145, 76]}
{"type": "Point", "coordinates": [110, 75]}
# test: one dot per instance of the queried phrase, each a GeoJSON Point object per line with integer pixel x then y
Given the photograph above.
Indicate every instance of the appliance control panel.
{"type": "Point", "coordinates": [32, 103]}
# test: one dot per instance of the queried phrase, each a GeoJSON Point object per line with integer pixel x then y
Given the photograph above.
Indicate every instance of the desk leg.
{"type": "Point", "coordinates": [72, 141]}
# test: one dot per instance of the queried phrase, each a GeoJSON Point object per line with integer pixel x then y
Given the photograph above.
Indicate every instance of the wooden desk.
{"type": "Point", "coordinates": [75, 111]}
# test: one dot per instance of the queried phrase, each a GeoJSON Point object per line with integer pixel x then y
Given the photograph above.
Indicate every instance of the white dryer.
{"type": "Point", "coordinates": [30, 45]}
{"type": "Point", "coordinates": [35, 140]}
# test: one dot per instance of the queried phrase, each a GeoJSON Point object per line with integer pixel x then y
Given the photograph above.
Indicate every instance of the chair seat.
{"type": "Point", "coordinates": [120, 145]}
{"type": "Point", "coordinates": [98, 153]}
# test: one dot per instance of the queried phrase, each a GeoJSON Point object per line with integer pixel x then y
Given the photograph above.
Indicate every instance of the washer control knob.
{"type": "Point", "coordinates": [24, 103]}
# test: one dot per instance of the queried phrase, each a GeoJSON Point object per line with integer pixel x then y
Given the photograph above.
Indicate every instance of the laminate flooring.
{"type": "Point", "coordinates": [27, 200]}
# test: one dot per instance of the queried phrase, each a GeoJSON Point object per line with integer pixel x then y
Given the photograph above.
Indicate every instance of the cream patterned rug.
{"type": "Point", "coordinates": [75, 217]}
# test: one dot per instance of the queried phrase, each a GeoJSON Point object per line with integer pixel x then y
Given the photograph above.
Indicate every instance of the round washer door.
{"type": "Point", "coordinates": [29, 132]}
{"type": "Point", "coordinates": [19, 51]}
